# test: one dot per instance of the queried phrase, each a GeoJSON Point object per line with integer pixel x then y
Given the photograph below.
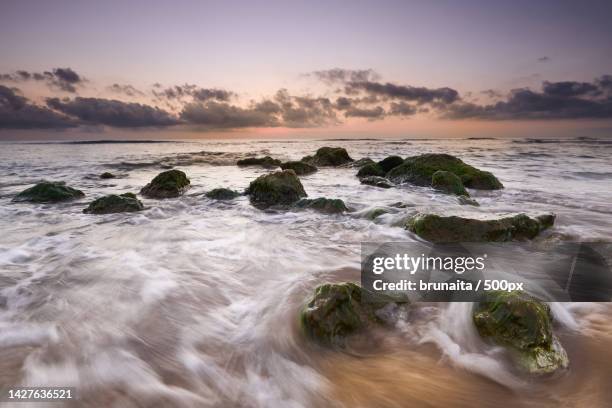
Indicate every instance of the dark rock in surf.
{"type": "Point", "coordinates": [48, 192]}
{"type": "Point", "coordinates": [389, 163]}
{"type": "Point", "coordinates": [299, 167]}
{"type": "Point", "coordinates": [523, 324]}
{"type": "Point", "coordinates": [222, 194]}
{"type": "Point", "coordinates": [329, 156]}
{"type": "Point", "coordinates": [267, 162]}
{"type": "Point", "coordinates": [448, 183]}
{"type": "Point", "coordinates": [171, 183]}
{"type": "Point", "coordinates": [438, 228]}
{"type": "Point", "coordinates": [368, 170]}
{"type": "Point", "coordinates": [114, 204]}
{"type": "Point", "coordinates": [376, 181]}
{"type": "Point", "coordinates": [107, 175]}
{"type": "Point", "coordinates": [323, 205]}
{"type": "Point", "coordinates": [278, 188]}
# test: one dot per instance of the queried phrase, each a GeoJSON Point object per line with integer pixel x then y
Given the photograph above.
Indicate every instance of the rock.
{"type": "Point", "coordinates": [114, 204]}
{"type": "Point", "coordinates": [107, 175]}
{"type": "Point", "coordinates": [171, 183]}
{"type": "Point", "coordinates": [324, 205]}
{"type": "Point", "coordinates": [329, 156]}
{"type": "Point", "coordinates": [523, 324]}
{"type": "Point", "coordinates": [448, 183]}
{"type": "Point", "coordinates": [437, 228]}
{"type": "Point", "coordinates": [389, 163]}
{"type": "Point", "coordinates": [420, 169]}
{"type": "Point", "coordinates": [376, 182]}
{"type": "Point", "coordinates": [48, 192]}
{"type": "Point", "coordinates": [281, 187]}
{"type": "Point", "coordinates": [266, 161]}
{"type": "Point", "coordinates": [299, 167]}
{"type": "Point", "coordinates": [357, 164]}
{"type": "Point", "coordinates": [375, 213]}
{"type": "Point", "coordinates": [373, 169]}
{"type": "Point", "coordinates": [463, 200]}
{"type": "Point", "coordinates": [222, 194]}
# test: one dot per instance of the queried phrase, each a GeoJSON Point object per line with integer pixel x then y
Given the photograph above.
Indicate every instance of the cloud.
{"type": "Point", "coordinates": [544, 59]}
{"type": "Point", "coordinates": [64, 79]}
{"type": "Point", "coordinates": [180, 92]}
{"type": "Point", "coordinates": [557, 100]}
{"type": "Point", "coordinates": [403, 109]}
{"type": "Point", "coordinates": [110, 112]}
{"type": "Point", "coordinates": [492, 93]}
{"type": "Point", "coordinates": [225, 116]}
{"type": "Point", "coordinates": [371, 114]}
{"type": "Point", "coordinates": [389, 90]}
{"type": "Point", "coordinates": [340, 75]}
{"type": "Point", "coordinates": [17, 112]}
{"type": "Point", "coordinates": [128, 90]}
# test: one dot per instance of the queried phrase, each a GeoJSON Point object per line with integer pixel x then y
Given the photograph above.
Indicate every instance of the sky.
{"type": "Point", "coordinates": [81, 69]}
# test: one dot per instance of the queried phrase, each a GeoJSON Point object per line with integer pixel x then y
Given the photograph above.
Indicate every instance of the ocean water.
{"type": "Point", "coordinates": [193, 302]}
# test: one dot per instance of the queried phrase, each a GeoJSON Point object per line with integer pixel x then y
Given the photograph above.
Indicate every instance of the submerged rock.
{"type": "Point", "coordinates": [114, 204]}
{"type": "Point", "coordinates": [266, 161]}
{"type": "Point", "coordinates": [48, 192]}
{"type": "Point", "coordinates": [368, 170]}
{"type": "Point", "coordinates": [329, 156]}
{"type": "Point", "coordinates": [107, 175]}
{"type": "Point", "coordinates": [222, 194]}
{"type": "Point", "coordinates": [376, 182]}
{"type": "Point", "coordinates": [438, 228]}
{"type": "Point", "coordinates": [448, 183]}
{"type": "Point", "coordinates": [299, 167]}
{"type": "Point", "coordinates": [375, 213]}
{"type": "Point", "coordinates": [523, 324]}
{"type": "Point", "coordinates": [324, 205]}
{"type": "Point", "coordinates": [420, 169]}
{"type": "Point", "coordinates": [171, 183]}
{"type": "Point", "coordinates": [389, 163]}
{"type": "Point", "coordinates": [357, 164]}
{"type": "Point", "coordinates": [278, 188]}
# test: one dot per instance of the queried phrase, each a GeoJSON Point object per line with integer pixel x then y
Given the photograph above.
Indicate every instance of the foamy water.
{"type": "Point", "coordinates": [194, 302]}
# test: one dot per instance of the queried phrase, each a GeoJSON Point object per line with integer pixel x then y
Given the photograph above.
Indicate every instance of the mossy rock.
{"type": "Point", "coordinates": [299, 167]}
{"type": "Point", "coordinates": [523, 324]}
{"type": "Point", "coordinates": [171, 183]}
{"type": "Point", "coordinates": [438, 228]}
{"type": "Point", "coordinates": [448, 183]}
{"type": "Point", "coordinates": [266, 161]}
{"type": "Point", "coordinates": [329, 156]}
{"type": "Point", "coordinates": [357, 164]}
{"type": "Point", "coordinates": [107, 175]}
{"type": "Point", "coordinates": [389, 163]}
{"type": "Point", "coordinates": [48, 192]}
{"type": "Point", "coordinates": [114, 204]}
{"type": "Point", "coordinates": [278, 188]}
{"type": "Point", "coordinates": [368, 170]}
{"type": "Point", "coordinates": [323, 205]}
{"type": "Point", "coordinates": [420, 169]}
{"type": "Point", "coordinates": [375, 213]}
{"type": "Point", "coordinates": [376, 181]}
{"type": "Point", "coordinates": [222, 194]}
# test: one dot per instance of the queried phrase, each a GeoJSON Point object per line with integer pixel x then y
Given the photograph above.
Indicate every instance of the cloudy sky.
{"type": "Point", "coordinates": [72, 69]}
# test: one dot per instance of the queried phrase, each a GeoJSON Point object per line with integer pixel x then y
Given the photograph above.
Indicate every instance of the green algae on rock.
{"type": "Point", "coordinates": [266, 161]}
{"type": "Point", "coordinates": [357, 164]}
{"type": "Point", "coordinates": [523, 324]}
{"type": "Point", "coordinates": [419, 170]}
{"type": "Point", "coordinates": [376, 181]}
{"type": "Point", "coordinates": [323, 205]}
{"type": "Point", "coordinates": [278, 188]}
{"type": "Point", "coordinates": [107, 175]}
{"type": "Point", "coordinates": [114, 204]}
{"type": "Point", "coordinates": [448, 183]}
{"type": "Point", "coordinates": [372, 169]}
{"type": "Point", "coordinates": [390, 162]}
{"type": "Point", "coordinates": [299, 167]}
{"type": "Point", "coordinates": [48, 192]}
{"type": "Point", "coordinates": [222, 194]}
{"type": "Point", "coordinates": [329, 156]}
{"type": "Point", "coordinates": [171, 183]}
{"type": "Point", "coordinates": [439, 229]}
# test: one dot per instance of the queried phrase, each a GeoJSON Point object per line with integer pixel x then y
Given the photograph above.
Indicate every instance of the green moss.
{"type": "Point", "coordinates": [375, 213]}
{"type": "Point", "coordinates": [171, 183]}
{"type": "Point", "coordinates": [420, 169]}
{"type": "Point", "coordinates": [437, 228]}
{"type": "Point", "coordinates": [278, 188]}
{"type": "Point", "coordinates": [266, 161]}
{"type": "Point", "coordinates": [114, 204]}
{"type": "Point", "coordinates": [222, 194]}
{"type": "Point", "coordinates": [448, 183]}
{"type": "Point", "coordinates": [329, 156]}
{"type": "Point", "coordinates": [299, 167]}
{"type": "Point", "coordinates": [389, 163]}
{"type": "Point", "coordinates": [324, 205]}
{"type": "Point", "coordinates": [524, 324]}
{"type": "Point", "coordinates": [373, 169]}
{"type": "Point", "coordinates": [48, 192]}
